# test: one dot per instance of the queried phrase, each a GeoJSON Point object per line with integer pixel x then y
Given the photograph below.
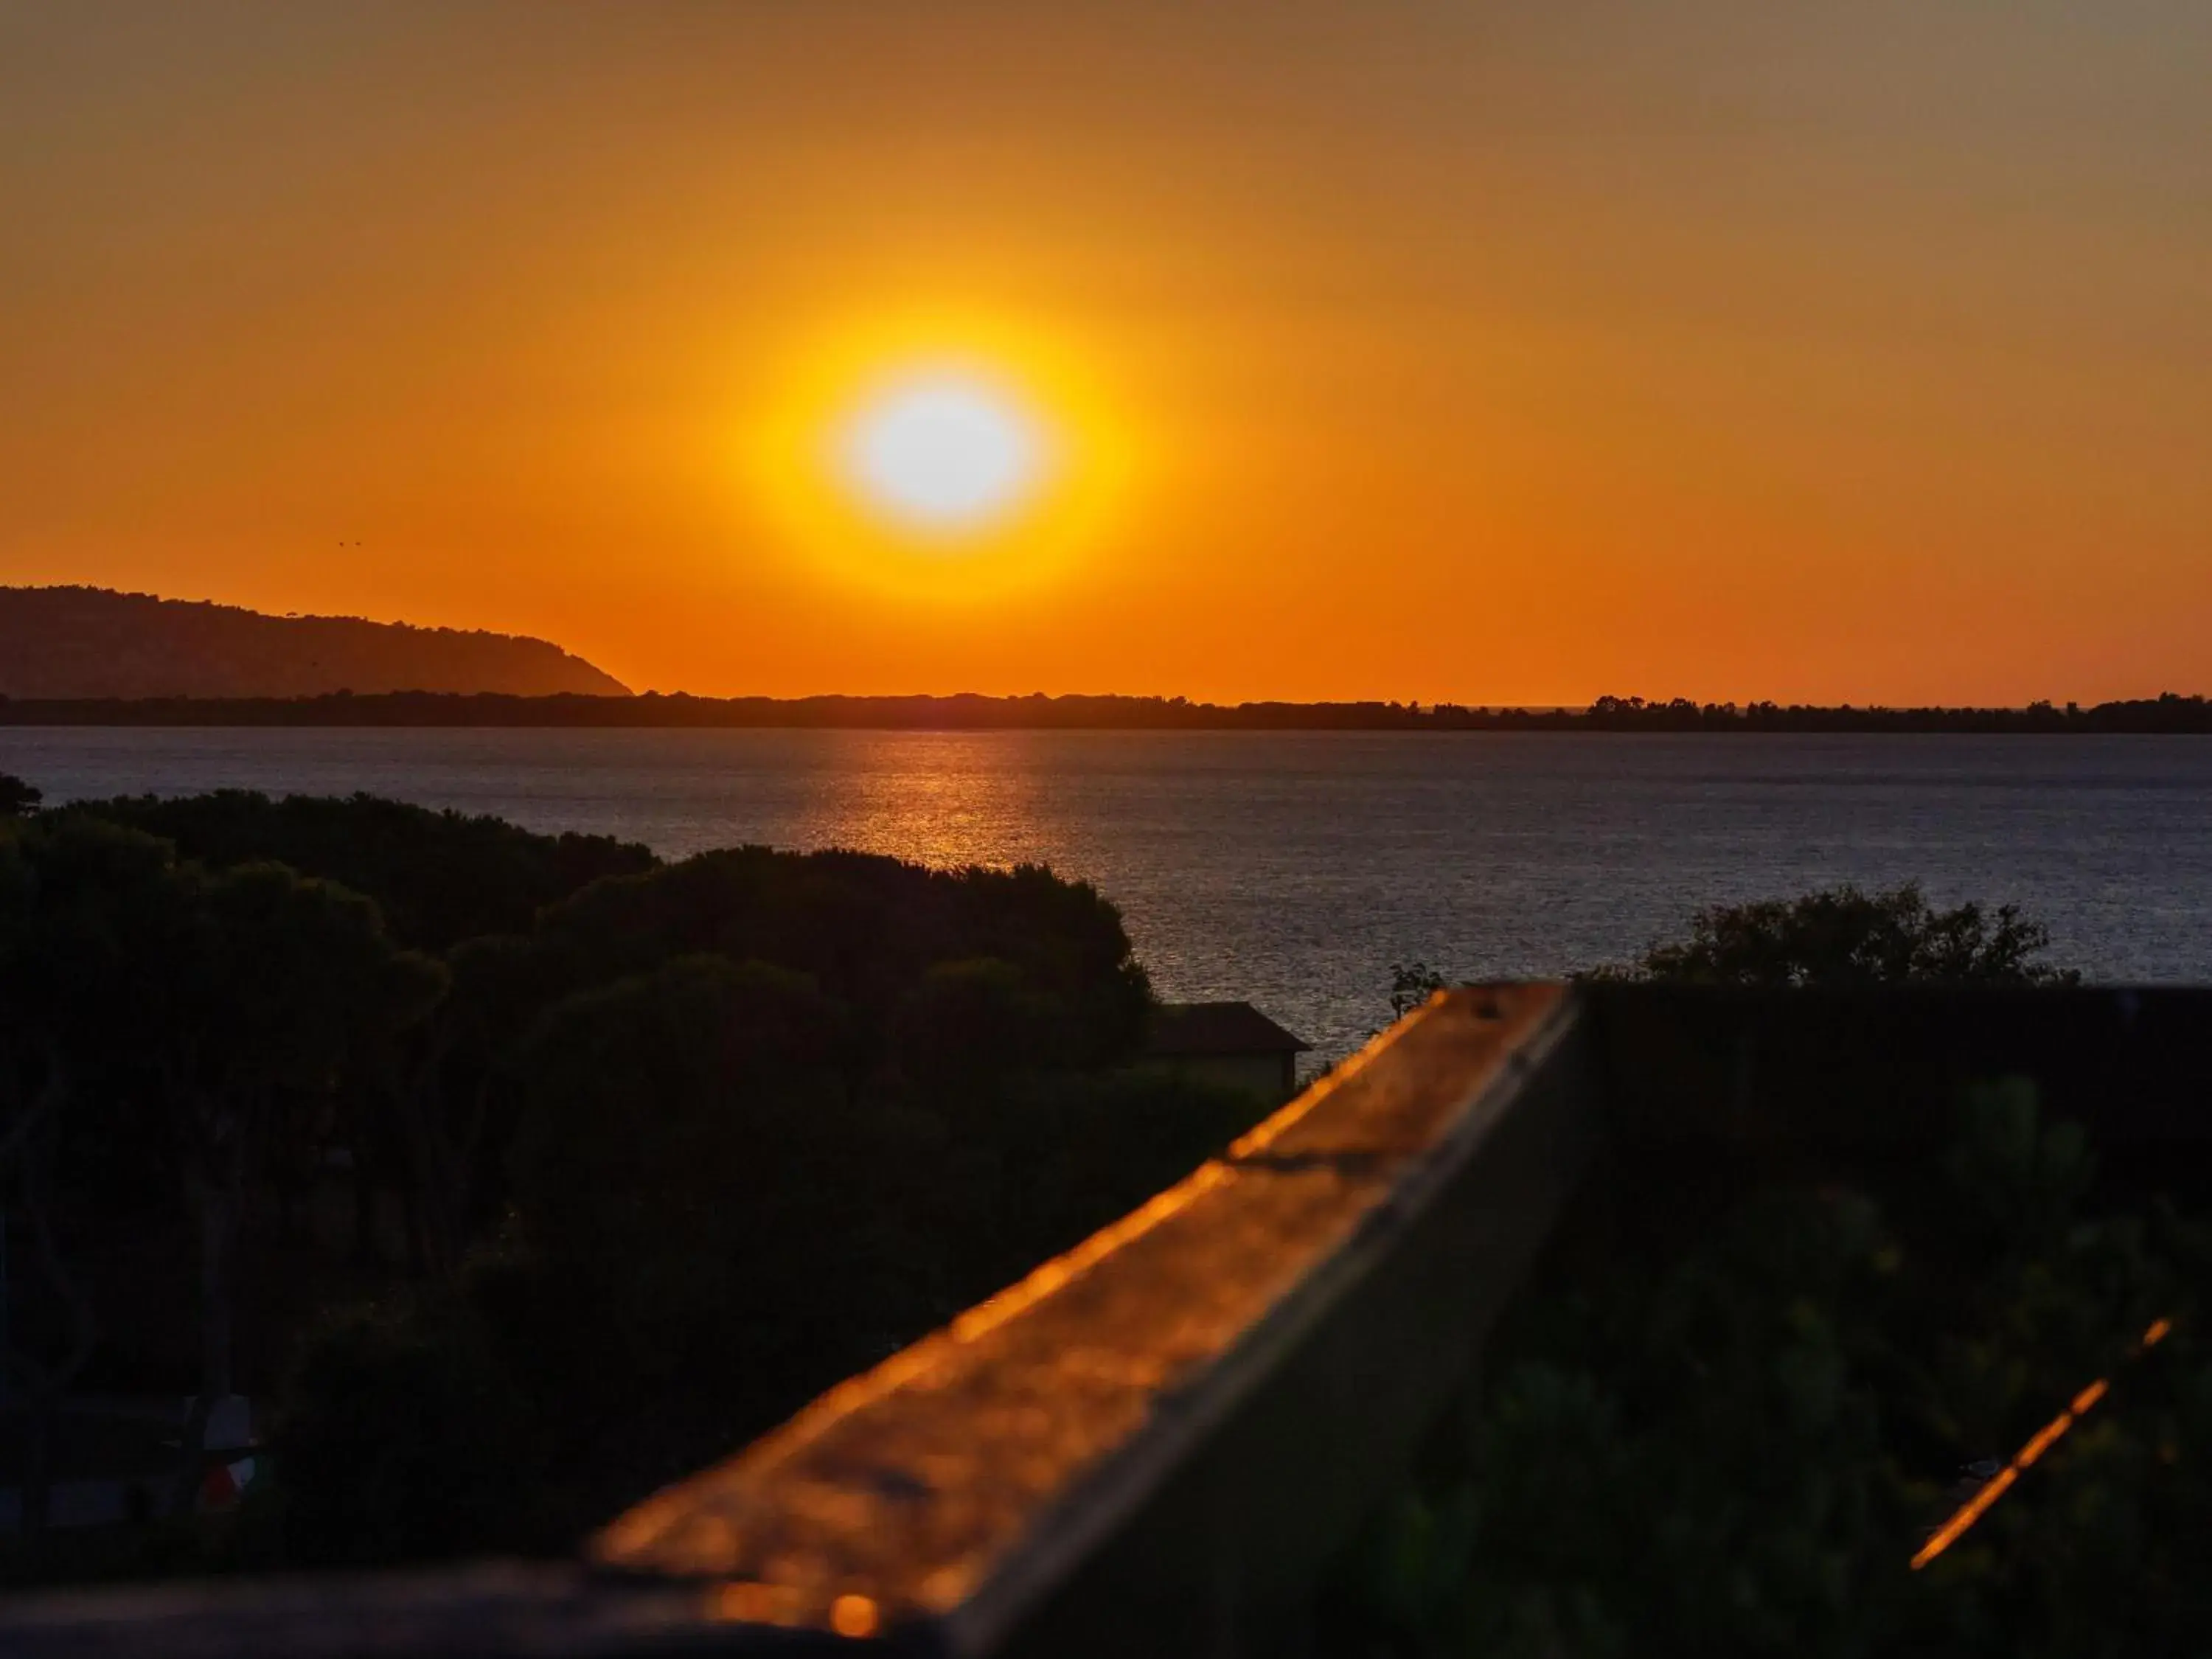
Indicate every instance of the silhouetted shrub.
{"type": "Point", "coordinates": [438, 877]}
{"type": "Point", "coordinates": [403, 1436]}
{"type": "Point", "coordinates": [1846, 936]}
{"type": "Point", "coordinates": [1738, 1450]}
{"type": "Point", "coordinates": [642, 1157]}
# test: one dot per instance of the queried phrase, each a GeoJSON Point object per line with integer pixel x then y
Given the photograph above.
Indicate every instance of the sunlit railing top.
{"type": "Point", "coordinates": [941, 1485]}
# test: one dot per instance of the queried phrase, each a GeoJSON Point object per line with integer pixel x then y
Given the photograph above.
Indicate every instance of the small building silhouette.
{"type": "Point", "coordinates": [1231, 1043]}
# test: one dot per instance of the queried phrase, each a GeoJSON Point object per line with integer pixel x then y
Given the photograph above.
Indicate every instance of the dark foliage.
{"type": "Point", "coordinates": [694, 1168]}
{"type": "Point", "coordinates": [439, 878]}
{"type": "Point", "coordinates": [401, 1429]}
{"type": "Point", "coordinates": [1411, 984]}
{"type": "Point", "coordinates": [669, 1147]}
{"type": "Point", "coordinates": [1844, 936]}
{"type": "Point", "coordinates": [867, 929]}
{"type": "Point", "coordinates": [638, 1156]}
{"type": "Point", "coordinates": [2167, 713]}
{"type": "Point", "coordinates": [1837, 937]}
{"type": "Point", "coordinates": [1737, 1448]}
{"type": "Point", "coordinates": [172, 1042]}
{"type": "Point", "coordinates": [776, 1114]}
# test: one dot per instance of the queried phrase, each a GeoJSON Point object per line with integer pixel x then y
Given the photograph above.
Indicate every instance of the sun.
{"type": "Point", "coordinates": [940, 456]}
{"type": "Point", "coordinates": [944, 453]}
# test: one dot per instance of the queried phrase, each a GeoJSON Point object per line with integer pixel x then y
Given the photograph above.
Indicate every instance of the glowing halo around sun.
{"type": "Point", "coordinates": [943, 459]}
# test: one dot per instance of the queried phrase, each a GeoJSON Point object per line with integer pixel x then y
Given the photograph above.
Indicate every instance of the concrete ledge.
{"type": "Point", "coordinates": [959, 1490]}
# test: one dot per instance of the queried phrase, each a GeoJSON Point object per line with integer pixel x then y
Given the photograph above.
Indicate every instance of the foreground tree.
{"type": "Point", "coordinates": [95, 921]}
{"type": "Point", "coordinates": [1735, 1446]}
{"type": "Point", "coordinates": [706, 1227]}
{"type": "Point", "coordinates": [674, 1149]}
{"type": "Point", "coordinates": [276, 986]}
{"type": "Point", "coordinates": [1845, 935]}
{"type": "Point", "coordinates": [691, 1164]}
{"type": "Point", "coordinates": [438, 877]}
{"type": "Point", "coordinates": [196, 1029]}
{"type": "Point", "coordinates": [1834, 937]}
{"type": "Point", "coordinates": [756, 1120]}
{"type": "Point", "coordinates": [1411, 984]}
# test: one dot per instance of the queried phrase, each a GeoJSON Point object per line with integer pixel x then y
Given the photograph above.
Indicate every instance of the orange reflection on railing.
{"type": "Point", "coordinates": [2041, 1442]}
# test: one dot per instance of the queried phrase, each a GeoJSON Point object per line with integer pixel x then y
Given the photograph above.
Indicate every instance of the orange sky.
{"type": "Point", "coordinates": [1447, 351]}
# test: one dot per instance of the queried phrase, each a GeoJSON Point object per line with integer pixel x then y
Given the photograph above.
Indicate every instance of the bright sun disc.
{"type": "Point", "coordinates": [944, 454]}
{"type": "Point", "coordinates": [939, 457]}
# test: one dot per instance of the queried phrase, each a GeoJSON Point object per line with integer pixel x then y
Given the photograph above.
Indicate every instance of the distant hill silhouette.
{"type": "Point", "coordinates": [70, 643]}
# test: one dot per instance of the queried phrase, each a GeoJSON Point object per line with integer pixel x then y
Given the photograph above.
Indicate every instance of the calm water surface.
{"type": "Point", "coordinates": [1294, 869]}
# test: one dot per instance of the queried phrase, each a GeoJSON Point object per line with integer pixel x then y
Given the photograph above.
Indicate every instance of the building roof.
{"type": "Point", "coordinates": [1181, 1030]}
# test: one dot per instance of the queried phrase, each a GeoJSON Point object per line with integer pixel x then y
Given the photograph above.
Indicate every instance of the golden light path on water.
{"type": "Point", "coordinates": [956, 814]}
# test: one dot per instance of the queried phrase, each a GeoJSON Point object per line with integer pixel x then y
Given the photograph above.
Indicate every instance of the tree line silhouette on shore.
{"type": "Point", "coordinates": [2170, 713]}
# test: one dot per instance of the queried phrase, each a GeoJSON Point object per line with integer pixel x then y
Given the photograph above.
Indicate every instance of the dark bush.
{"type": "Point", "coordinates": [438, 877]}
{"type": "Point", "coordinates": [1846, 936]}
{"type": "Point", "coordinates": [404, 1437]}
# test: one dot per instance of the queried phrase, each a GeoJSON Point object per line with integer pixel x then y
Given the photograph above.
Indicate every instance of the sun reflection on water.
{"type": "Point", "coordinates": [957, 802]}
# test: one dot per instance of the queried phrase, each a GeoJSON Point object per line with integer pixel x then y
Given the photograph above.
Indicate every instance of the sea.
{"type": "Point", "coordinates": [1295, 869]}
